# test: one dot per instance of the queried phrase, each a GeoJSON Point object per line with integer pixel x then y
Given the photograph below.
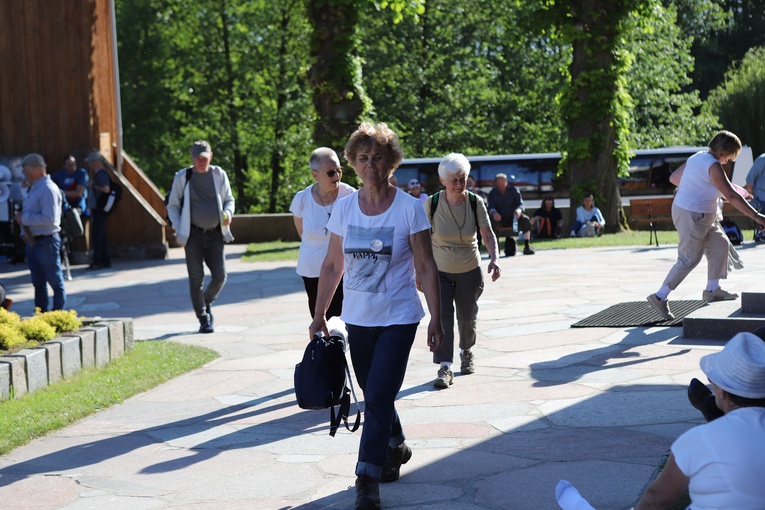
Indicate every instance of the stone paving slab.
{"type": "Point", "coordinates": [597, 406]}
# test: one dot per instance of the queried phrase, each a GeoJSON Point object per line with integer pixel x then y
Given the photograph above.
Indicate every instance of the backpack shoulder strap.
{"type": "Point", "coordinates": [434, 203]}
{"type": "Point", "coordinates": [433, 207]}
{"type": "Point", "coordinates": [474, 205]}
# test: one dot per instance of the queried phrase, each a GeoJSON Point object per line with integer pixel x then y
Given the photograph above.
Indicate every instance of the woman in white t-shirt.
{"type": "Point", "coordinates": [722, 463]}
{"type": "Point", "coordinates": [380, 237]}
{"type": "Point", "coordinates": [312, 208]}
{"type": "Point", "coordinates": [694, 213]}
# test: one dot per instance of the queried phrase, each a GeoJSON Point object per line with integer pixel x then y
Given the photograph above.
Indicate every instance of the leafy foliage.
{"type": "Point", "coordinates": [10, 336]}
{"type": "Point", "coordinates": [478, 77]}
{"type": "Point", "coordinates": [663, 109]}
{"type": "Point", "coordinates": [37, 329]}
{"type": "Point", "coordinates": [231, 72]}
{"type": "Point", "coordinates": [740, 27]}
{"type": "Point", "coordinates": [740, 101]}
{"type": "Point", "coordinates": [61, 320]}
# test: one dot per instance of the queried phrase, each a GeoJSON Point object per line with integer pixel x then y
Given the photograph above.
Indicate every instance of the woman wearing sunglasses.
{"type": "Point", "coordinates": [312, 208]}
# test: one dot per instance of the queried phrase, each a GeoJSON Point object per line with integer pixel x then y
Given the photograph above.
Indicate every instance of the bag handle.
{"type": "Point", "coordinates": [344, 408]}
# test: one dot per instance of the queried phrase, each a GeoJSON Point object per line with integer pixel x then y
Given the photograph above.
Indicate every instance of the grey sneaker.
{"type": "Point", "coordinates": [660, 306]}
{"type": "Point", "coordinates": [445, 378]}
{"type": "Point", "coordinates": [718, 295]}
{"type": "Point", "coordinates": [367, 493]}
{"type": "Point", "coordinates": [467, 366]}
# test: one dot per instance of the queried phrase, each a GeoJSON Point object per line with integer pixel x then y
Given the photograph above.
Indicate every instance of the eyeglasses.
{"type": "Point", "coordinates": [331, 173]}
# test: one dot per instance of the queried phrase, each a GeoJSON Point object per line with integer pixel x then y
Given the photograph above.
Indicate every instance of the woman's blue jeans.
{"type": "Point", "coordinates": [379, 356]}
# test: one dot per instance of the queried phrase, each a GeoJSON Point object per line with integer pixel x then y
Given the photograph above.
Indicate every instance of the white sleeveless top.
{"type": "Point", "coordinates": [696, 192]}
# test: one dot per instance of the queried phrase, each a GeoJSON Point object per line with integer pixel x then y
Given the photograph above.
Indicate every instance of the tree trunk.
{"type": "Point", "coordinates": [277, 166]}
{"type": "Point", "coordinates": [233, 115]}
{"type": "Point", "coordinates": [594, 97]}
{"type": "Point", "coordinates": [335, 76]}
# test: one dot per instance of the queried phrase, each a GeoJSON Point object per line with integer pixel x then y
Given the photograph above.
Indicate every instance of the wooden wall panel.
{"type": "Point", "coordinates": [57, 88]}
{"type": "Point", "coordinates": [58, 96]}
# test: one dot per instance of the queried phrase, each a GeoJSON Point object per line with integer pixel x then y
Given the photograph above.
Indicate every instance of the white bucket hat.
{"type": "Point", "coordinates": [740, 367]}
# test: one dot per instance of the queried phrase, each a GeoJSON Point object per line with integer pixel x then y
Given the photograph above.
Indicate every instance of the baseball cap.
{"type": "Point", "coordinates": [740, 367]}
{"type": "Point", "coordinates": [93, 156]}
{"type": "Point", "coordinates": [201, 148]}
{"type": "Point", "coordinates": [33, 159]}
{"type": "Point", "coordinates": [413, 183]}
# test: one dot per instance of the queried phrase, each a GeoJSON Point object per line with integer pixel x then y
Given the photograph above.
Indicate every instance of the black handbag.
{"type": "Point", "coordinates": [320, 381]}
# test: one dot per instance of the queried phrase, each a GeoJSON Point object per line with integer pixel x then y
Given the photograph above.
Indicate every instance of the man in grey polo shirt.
{"type": "Point", "coordinates": [200, 208]}
{"type": "Point", "coordinates": [40, 221]}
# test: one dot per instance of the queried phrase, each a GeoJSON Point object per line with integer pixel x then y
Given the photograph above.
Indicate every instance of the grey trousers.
{"type": "Point", "coordinates": [205, 248]}
{"type": "Point", "coordinates": [699, 234]}
{"type": "Point", "coordinates": [459, 291]}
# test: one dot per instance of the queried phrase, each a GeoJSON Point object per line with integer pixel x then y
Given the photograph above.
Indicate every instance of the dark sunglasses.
{"type": "Point", "coordinates": [331, 173]}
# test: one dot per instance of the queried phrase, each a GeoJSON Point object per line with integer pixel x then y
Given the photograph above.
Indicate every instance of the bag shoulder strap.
{"type": "Point", "coordinates": [344, 408]}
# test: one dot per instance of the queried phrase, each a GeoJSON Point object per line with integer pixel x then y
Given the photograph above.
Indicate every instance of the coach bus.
{"type": "Point", "coordinates": [534, 174]}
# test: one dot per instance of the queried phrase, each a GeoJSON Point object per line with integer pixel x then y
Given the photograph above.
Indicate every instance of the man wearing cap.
{"type": "Point", "coordinates": [40, 220]}
{"type": "Point", "coordinates": [506, 205]}
{"type": "Point", "coordinates": [200, 208]}
{"type": "Point", "coordinates": [415, 189]}
{"type": "Point", "coordinates": [98, 233]}
{"type": "Point", "coordinates": [721, 464]}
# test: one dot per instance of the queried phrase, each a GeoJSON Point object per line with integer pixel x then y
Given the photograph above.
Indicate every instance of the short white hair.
{"type": "Point", "coordinates": [454, 163]}
{"type": "Point", "coordinates": [321, 155]}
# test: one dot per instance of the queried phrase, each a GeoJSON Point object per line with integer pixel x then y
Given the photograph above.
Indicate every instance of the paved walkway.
{"type": "Point", "coordinates": [596, 406]}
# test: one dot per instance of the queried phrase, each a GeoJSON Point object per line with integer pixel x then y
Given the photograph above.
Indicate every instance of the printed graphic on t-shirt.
{"type": "Point", "coordinates": [370, 251]}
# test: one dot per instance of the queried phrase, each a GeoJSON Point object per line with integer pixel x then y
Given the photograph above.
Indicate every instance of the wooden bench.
{"type": "Point", "coordinates": [659, 210]}
{"type": "Point", "coordinates": [651, 211]}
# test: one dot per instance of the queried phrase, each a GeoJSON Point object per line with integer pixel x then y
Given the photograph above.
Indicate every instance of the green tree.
{"type": "Point", "coordinates": [663, 109]}
{"type": "Point", "coordinates": [447, 83]}
{"type": "Point", "coordinates": [740, 101]}
{"type": "Point", "coordinates": [229, 71]}
{"type": "Point", "coordinates": [742, 28]}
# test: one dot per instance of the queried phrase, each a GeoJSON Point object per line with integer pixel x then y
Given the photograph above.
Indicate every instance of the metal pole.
{"type": "Point", "coordinates": [118, 100]}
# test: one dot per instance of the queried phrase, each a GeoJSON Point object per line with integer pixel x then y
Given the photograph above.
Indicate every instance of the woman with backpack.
{"type": "Point", "coordinates": [456, 215]}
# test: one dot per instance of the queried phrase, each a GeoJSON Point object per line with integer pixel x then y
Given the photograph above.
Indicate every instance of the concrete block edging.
{"type": "Point", "coordinates": [93, 346]}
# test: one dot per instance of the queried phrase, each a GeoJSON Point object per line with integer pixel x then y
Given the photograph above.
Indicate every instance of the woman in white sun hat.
{"type": "Point", "coordinates": [722, 463]}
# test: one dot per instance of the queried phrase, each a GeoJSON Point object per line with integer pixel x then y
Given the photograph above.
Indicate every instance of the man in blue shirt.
{"type": "Point", "coordinates": [506, 205]}
{"type": "Point", "coordinates": [40, 221]}
{"type": "Point", "coordinates": [755, 184]}
{"type": "Point", "coordinates": [73, 182]}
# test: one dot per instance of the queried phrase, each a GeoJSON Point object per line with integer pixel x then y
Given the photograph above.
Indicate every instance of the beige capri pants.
{"type": "Point", "coordinates": [699, 234]}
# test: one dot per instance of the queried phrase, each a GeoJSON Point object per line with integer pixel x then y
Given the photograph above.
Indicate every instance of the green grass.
{"type": "Point", "coordinates": [272, 251]}
{"type": "Point", "coordinates": [288, 250]}
{"type": "Point", "coordinates": [146, 366]}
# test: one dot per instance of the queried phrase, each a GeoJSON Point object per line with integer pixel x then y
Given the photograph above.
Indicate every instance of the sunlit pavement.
{"type": "Point", "coordinates": [596, 406]}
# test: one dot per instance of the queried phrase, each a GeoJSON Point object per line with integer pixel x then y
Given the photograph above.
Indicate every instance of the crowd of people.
{"type": "Point", "coordinates": [380, 246]}
{"type": "Point", "coordinates": [366, 253]}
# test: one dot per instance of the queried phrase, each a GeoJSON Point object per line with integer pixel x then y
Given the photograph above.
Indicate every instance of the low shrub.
{"type": "Point", "coordinates": [10, 335]}
{"type": "Point", "coordinates": [10, 318]}
{"type": "Point", "coordinates": [37, 329]}
{"type": "Point", "coordinates": [17, 333]}
{"type": "Point", "coordinates": [61, 320]}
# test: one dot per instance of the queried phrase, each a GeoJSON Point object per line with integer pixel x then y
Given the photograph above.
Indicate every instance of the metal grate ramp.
{"type": "Point", "coordinates": [638, 313]}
